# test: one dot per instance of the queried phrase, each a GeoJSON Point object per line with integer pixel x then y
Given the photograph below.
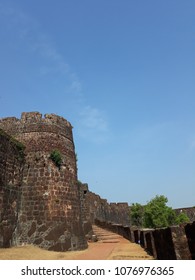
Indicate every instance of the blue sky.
{"type": "Point", "coordinates": [122, 72]}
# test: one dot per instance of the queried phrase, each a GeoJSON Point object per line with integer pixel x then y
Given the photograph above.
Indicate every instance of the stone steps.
{"type": "Point", "coordinates": [105, 236]}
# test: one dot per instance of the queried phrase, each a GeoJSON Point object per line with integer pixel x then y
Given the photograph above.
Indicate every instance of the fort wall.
{"type": "Point", "coordinates": [43, 203]}
{"type": "Point", "coordinates": [11, 172]}
{"type": "Point", "coordinates": [94, 207]}
{"type": "Point", "coordinates": [50, 209]}
{"type": "Point", "coordinates": [171, 243]}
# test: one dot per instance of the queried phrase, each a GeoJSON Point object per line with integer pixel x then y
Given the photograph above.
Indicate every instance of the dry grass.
{"type": "Point", "coordinates": [124, 250]}
{"type": "Point", "coordinates": [31, 252]}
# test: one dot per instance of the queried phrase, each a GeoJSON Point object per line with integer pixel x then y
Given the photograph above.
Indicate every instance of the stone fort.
{"type": "Point", "coordinates": [42, 203]}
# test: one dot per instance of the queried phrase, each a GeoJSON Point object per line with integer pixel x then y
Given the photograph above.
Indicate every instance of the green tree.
{"type": "Point", "coordinates": [156, 214]}
{"type": "Point", "coordinates": [137, 214]}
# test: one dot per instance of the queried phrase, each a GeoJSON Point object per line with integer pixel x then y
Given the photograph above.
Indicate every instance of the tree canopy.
{"type": "Point", "coordinates": [155, 214]}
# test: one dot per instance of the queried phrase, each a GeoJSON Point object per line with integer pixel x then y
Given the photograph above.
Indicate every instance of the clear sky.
{"type": "Point", "coordinates": [123, 73]}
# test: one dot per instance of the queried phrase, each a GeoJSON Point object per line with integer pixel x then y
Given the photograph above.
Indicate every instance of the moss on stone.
{"type": "Point", "coordinates": [19, 146]}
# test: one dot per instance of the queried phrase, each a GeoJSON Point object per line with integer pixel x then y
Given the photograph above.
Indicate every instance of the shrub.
{"type": "Point", "coordinates": [182, 218]}
{"type": "Point", "coordinates": [56, 157]}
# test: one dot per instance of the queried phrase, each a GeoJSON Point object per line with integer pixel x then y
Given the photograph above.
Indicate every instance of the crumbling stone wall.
{"type": "Point", "coordinates": [94, 207]}
{"type": "Point", "coordinates": [50, 210]}
{"type": "Point", "coordinates": [11, 168]}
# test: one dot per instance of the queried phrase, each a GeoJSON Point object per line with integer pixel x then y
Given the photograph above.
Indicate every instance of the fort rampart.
{"type": "Point", "coordinates": [172, 243]}
{"type": "Point", "coordinates": [94, 207]}
{"type": "Point", "coordinates": [11, 169]}
{"type": "Point", "coordinates": [44, 204]}
{"type": "Point", "coordinates": [49, 209]}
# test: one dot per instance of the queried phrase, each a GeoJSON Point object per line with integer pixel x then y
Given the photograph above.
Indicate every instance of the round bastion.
{"type": "Point", "coordinates": [49, 207]}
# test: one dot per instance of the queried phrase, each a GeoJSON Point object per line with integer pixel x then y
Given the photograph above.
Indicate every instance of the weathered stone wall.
{"type": "Point", "coordinates": [94, 207]}
{"type": "Point", "coordinates": [166, 244]}
{"type": "Point", "coordinates": [11, 168]}
{"type": "Point", "coordinates": [50, 212]}
{"type": "Point", "coordinates": [87, 222]}
{"type": "Point", "coordinates": [172, 243]}
{"type": "Point", "coordinates": [190, 233]}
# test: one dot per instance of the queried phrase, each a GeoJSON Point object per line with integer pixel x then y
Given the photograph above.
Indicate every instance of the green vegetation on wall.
{"type": "Point", "coordinates": [56, 157]}
{"type": "Point", "coordinates": [19, 146]}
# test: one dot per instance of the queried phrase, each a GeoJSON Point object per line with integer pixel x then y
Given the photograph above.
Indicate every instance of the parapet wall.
{"type": "Point", "coordinates": [94, 207]}
{"type": "Point", "coordinates": [54, 131]}
{"type": "Point", "coordinates": [36, 118]}
{"type": "Point", "coordinates": [172, 243]}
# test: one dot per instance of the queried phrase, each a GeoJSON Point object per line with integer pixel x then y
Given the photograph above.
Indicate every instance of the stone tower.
{"type": "Point", "coordinates": [48, 207]}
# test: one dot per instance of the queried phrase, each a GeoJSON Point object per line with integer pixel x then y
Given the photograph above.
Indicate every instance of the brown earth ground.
{"type": "Point", "coordinates": [95, 251]}
{"type": "Point", "coordinates": [109, 247]}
